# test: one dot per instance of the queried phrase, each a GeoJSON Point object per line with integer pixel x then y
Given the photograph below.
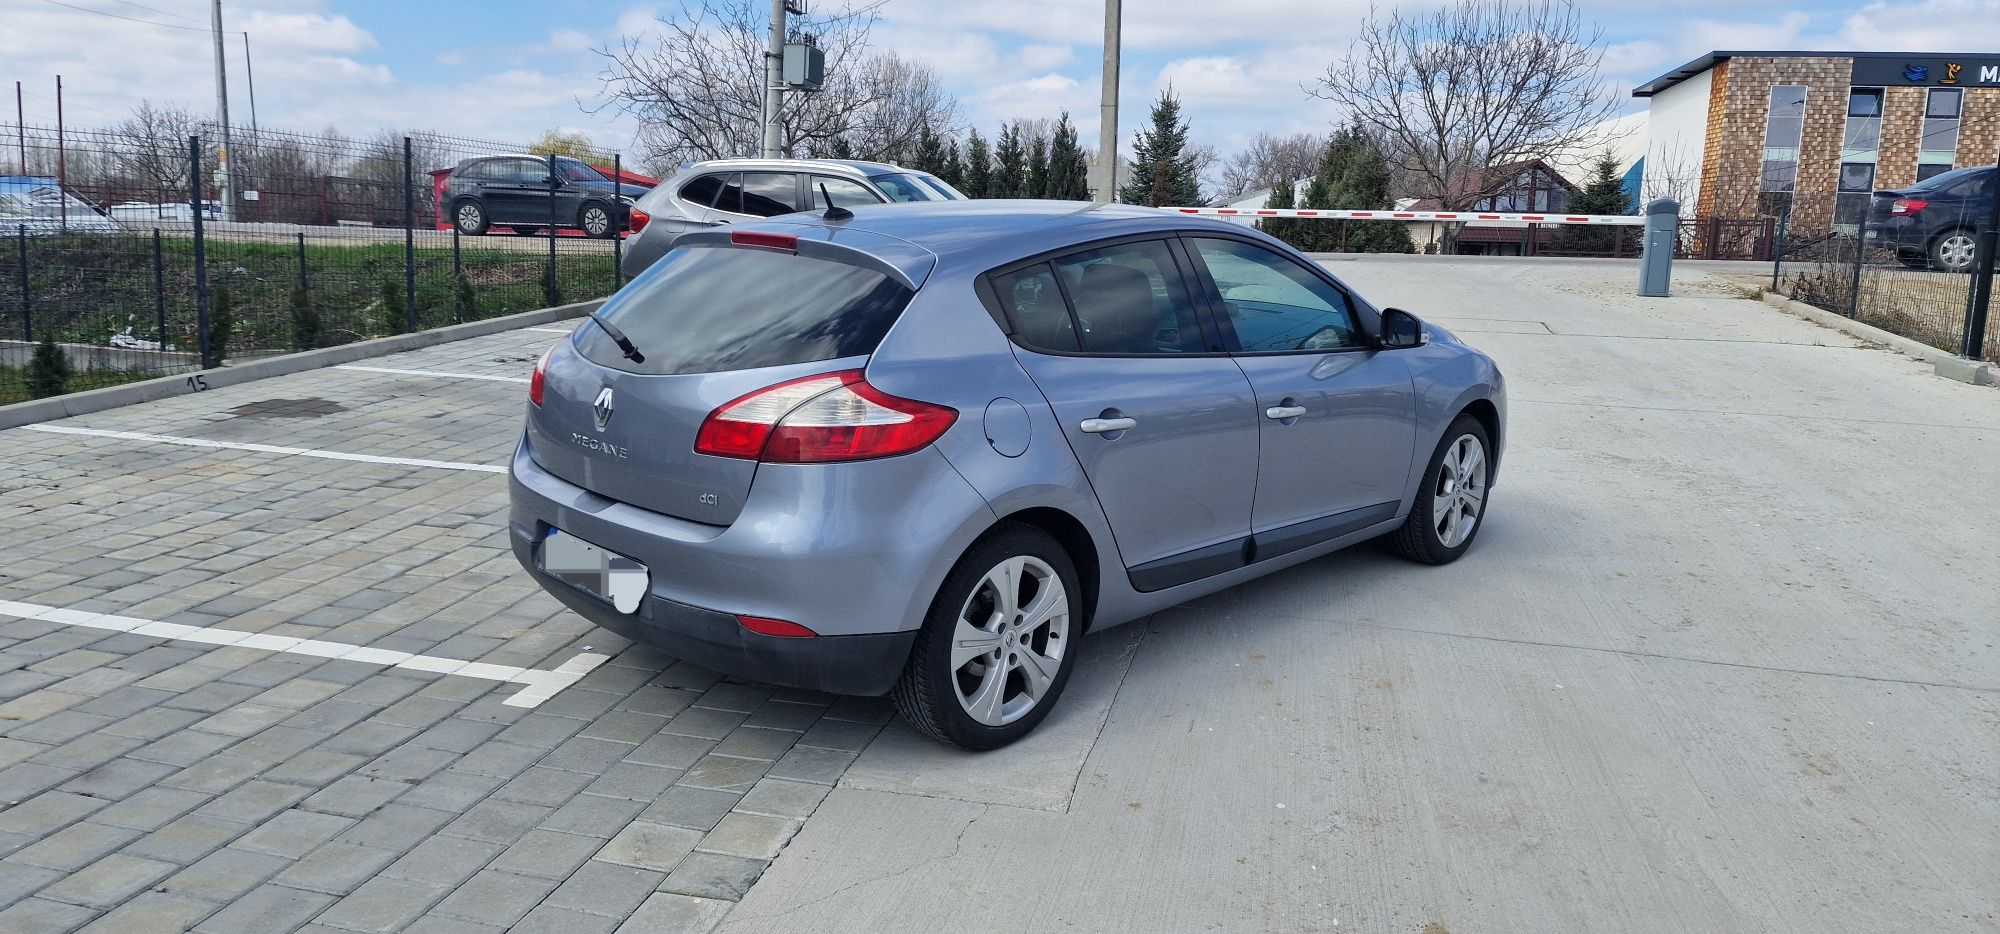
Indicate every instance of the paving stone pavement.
{"type": "Point", "coordinates": [153, 784]}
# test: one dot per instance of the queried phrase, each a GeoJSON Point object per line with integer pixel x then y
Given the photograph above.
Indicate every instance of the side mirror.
{"type": "Point", "coordinates": [553, 181]}
{"type": "Point", "coordinates": [1400, 330]}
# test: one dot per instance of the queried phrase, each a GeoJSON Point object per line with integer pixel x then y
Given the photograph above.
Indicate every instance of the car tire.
{"type": "Point", "coordinates": [595, 221]}
{"type": "Point", "coordinates": [1954, 250]}
{"type": "Point", "coordinates": [1449, 511]}
{"type": "Point", "coordinates": [470, 218]}
{"type": "Point", "coordinates": [520, 231]}
{"type": "Point", "coordinates": [1002, 684]}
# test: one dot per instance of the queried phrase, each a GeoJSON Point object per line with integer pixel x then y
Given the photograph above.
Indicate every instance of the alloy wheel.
{"type": "Point", "coordinates": [596, 221]}
{"type": "Point", "coordinates": [1008, 641]}
{"type": "Point", "coordinates": [468, 217]}
{"type": "Point", "coordinates": [1460, 492]}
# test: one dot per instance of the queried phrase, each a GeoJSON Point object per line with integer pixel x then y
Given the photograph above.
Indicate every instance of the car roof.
{"type": "Point", "coordinates": [995, 231]}
{"type": "Point", "coordinates": [841, 166]}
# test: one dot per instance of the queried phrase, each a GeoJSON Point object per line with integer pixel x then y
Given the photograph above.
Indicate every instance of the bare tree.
{"type": "Point", "coordinates": [1473, 85]}
{"type": "Point", "coordinates": [1205, 159]}
{"type": "Point", "coordinates": [1270, 159]}
{"type": "Point", "coordinates": [903, 99]}
{"type": "Point", "coordinates": [697, 89]}
{"type": "Point", "coordinates": [150, 149]}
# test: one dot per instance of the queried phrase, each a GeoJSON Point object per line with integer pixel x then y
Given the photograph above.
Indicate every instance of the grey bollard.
{"type": "Point", "coordinates": [1656, 252]}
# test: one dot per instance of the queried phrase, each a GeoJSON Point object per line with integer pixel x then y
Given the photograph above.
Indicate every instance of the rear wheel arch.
{"type": "Point", "coordinates": [1075, 539]}
{"type": "Point", "coordinates": [1933, 249]}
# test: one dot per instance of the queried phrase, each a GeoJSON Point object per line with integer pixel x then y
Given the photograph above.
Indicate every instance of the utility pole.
{"type": "Point", "coordinates": [228, 185]}
{"type": "Point", "coordinates": [1104, 187]}
{"type": "Point", "coordinates": [21, 124]}
{"type": "Point", "coordinates": [774, 83]}
{"type": "Point", "coordinates": [250, 75]}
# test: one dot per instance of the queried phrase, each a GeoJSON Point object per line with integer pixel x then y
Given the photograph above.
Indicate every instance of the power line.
{"type": "Point", "coordinates": [130, 19]}
{"type": "Point", "coordinates": [149, 9]}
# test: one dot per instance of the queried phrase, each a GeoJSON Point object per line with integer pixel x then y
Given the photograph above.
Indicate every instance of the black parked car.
{"type": "Point", "coordinates": [516, 192]}
{"type": "Point", "coordinates": [1935, 222]}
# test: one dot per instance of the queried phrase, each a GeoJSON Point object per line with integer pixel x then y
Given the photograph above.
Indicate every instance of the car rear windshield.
{"type": "Point", "coordinates": [710, 309]}
{"type": "Point", "coordinates": [1948, 179]}
{"type": "Point", "coordinates": [901, 187]}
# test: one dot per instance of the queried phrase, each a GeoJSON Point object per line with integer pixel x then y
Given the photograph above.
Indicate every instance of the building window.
{"type": "Point", "coordinates": [1783, 128]}
{"type": "Point", "coordinates": [1859, 152]}
{"type": "Point", "coordinates": [1940, 141]}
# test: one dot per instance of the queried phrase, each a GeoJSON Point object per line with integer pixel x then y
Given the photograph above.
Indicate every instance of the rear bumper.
{"type": "Point", "coordinates": [859, 664]}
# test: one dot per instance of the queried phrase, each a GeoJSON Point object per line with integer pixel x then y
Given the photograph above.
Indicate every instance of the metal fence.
{"type": "Point", "coordinates": [131, 255]}
{"type": "Point", "coordinates": [1852, 270]}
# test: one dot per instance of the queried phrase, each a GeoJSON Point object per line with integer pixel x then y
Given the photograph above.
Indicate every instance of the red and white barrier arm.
{"type": "Point", "coordinates": [1607, 220]}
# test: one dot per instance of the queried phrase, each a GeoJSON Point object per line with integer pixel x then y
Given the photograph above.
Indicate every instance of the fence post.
{"type": "Point", "coordinates": [409, 241]}
{"type": "Point", "coordinates": [1778, 248]}
{"type": "Point", "coordinates": [1854, 287]}
{"type": "Point", "coordinates": [159, 291]}
{"type": "Point", "coordinates": [200, 251]}
{"type": "Point", "coordinates": [1974, 345]}
{"type": "Point", "coordinates": [27, 313]}
{"type": "Point", "coordinates": [622, 217]}
{"type": "Point", "coordinates": [457, 258]}
{"type": "Point", "coordinates": [552, 293]}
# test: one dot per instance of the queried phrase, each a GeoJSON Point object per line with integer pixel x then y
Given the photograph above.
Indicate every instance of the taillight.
{"type": "Point", "coordinates": [818, 419]}
{"type": "Point", "coordinates": [636, 220]}
{"type": "Point", "coordinates": [541, 375]}
{"type": "Point", "coordinates": [1905, 207]}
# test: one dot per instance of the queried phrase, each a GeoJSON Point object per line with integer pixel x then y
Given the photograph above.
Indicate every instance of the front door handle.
{"type": "Point", "coordinates": [1097, 426]}
{"type": "Point", "coordinates": [1284, 411]}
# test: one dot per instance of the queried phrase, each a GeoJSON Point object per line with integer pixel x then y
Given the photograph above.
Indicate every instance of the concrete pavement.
{"type": "Point", "coordinates": [1722, 660]}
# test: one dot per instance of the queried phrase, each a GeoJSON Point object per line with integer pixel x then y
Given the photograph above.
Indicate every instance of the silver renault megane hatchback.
{"type": "Point", "coordinates": [922, 449]}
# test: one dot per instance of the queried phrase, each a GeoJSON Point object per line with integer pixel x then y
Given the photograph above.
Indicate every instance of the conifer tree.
{"type": "Point", "coordinates": [1069, 171]}
{"type": "Point", "coordinates": [1162, 172]}
{"type": "Point", "coordinates": [978, 168]}
{"type": "Point", "coordinates": [930, 153]}
{"type": "Point", "coordinates": [1036, 183]}
{"type": "Point", "coordinates": [953, 169]}
{"type": "Point", "coordinates": [1603, 194]}
{"type": "Point", "coordinates": [49, 370]}
{"type": "Point", "coordinates": [1352, 176]}
{"type": "Point", "coordinates": [1010, 168]}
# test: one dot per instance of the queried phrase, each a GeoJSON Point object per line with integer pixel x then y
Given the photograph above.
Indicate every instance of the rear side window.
{"type": "Point", "coordinates": [1035, 304]}
{"type": "Point", "coordinates": [900, 187]}
{"type": "Point", "coordinates": [731, 199]}
{"type": "Point", "coordinates": [845, 193]}
{"type": "Point", "coordinates": [702, 190]}
{"type": "Point", "coordinates": [711, 309]}
{"type": "Point", "coordinates": [1131, 299]}
{"type": "Point", "coordinates": [768, 194]}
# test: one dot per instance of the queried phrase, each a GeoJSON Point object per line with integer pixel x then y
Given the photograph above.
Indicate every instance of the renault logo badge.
{"type": "Point", "coordinates": [602, 408]}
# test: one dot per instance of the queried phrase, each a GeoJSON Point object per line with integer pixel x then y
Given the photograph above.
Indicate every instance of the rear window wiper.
{"type": "Point", "coordinates": [618, 337]}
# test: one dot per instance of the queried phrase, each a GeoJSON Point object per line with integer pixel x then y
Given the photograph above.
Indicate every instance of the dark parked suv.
{"type": "Point", "coordinates": [1936, 221]}
{"type": "Point", "coordinates": [517, 192]}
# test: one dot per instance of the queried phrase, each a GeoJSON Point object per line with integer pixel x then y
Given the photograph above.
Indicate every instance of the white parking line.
{"type": "Point", "coordinates": [552, 330]}
{"type": "Point", "coordinates": [540, 685]}
{"type": "Point", "coordinates": [440, 375]}
{"type": "Point", "coordinates": [263, 448]}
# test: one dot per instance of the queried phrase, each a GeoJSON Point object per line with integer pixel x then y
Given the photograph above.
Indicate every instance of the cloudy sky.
{"type": "Point", "coordinates": [508, 69]}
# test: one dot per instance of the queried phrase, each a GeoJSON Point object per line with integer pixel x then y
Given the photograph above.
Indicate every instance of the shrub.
{"type": "Point", "coordinates": [306, 325]}
{"type": "Point", "coordinates": [48, 370]}
{"type": "Point", "coordinates": [465, 299]}
{"type": "Point", "coordinates": [390, 311]}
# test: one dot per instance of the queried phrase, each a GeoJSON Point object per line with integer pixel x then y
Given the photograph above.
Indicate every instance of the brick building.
{"type": "Point", "coordinates": [1755, 134]}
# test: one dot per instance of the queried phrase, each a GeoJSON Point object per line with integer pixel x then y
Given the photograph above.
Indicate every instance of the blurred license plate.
{"type": "Point", "coordinates": [601, 573]}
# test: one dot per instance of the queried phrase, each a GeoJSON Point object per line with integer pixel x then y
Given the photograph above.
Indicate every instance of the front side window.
{"type": "Point", "coordinates": [845, 193]}
{"type": "Point", "coordinates": [522, 171]}
{"type": "Point", "coordinates": [901, 187]}
{"type": "Point", "coordinates": [1130, 299]}
{"type": "Point", "coordinates": [1274, 305]}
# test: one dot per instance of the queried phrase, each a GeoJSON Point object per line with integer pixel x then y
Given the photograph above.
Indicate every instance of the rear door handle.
{"type": "Point", "coordinates": [1101, 425]}
{"type": "Point", "coordinates": [1284, 411]}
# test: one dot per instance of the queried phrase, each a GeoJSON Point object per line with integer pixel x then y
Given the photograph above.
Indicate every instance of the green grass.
{"type": "Point", "coordinates": [85, 287]}
{"type": "Point", "coordinates": [14, 381]}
